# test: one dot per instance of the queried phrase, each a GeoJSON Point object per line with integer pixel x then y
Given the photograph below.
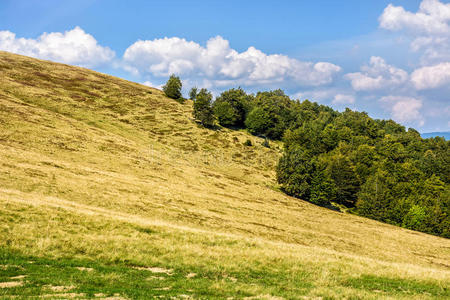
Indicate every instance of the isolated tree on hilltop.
{"type": "Point", "coordinates": [172, 88]}
{"type": "Point", "coordinates": [202, 108]}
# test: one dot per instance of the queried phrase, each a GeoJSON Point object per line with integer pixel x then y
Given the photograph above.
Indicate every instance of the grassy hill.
{"type": "Point", "coordinates": [108, 189]}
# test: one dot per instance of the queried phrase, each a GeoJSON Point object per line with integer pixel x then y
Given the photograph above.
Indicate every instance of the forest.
{"type": "Point", "coordinates": [341, 160]}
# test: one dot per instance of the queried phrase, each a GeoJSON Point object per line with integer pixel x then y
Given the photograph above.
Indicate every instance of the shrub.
{"type": "Point", "coordinates": [248, 143]}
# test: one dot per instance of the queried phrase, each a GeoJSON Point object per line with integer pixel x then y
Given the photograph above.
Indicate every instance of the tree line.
{"type": "Point", "coordinates": [373, 168]}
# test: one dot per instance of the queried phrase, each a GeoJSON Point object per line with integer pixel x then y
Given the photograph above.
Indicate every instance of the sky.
{"type": "Point", "coordinates": [388, 58]}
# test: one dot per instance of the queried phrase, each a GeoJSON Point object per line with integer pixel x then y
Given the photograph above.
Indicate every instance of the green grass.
{"type": "Point", "coordinates": [81, 278]}
{"type": "Point", "coordinates": [85, 278]}
{"type": "Point", "coordinates": [395, 285]}
{"type": "Point", "coordinates": [98, 172]}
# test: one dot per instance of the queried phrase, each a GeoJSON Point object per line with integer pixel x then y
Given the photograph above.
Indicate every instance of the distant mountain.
{"type": "Point", "coordinates": [445, 134]}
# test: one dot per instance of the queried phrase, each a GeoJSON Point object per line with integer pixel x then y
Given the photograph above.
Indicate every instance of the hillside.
{"type": "Point", "coordinates": [110, 189]}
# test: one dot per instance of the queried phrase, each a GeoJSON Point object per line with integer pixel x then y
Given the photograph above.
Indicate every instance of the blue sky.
{"type": "Point", "coordinates": [389, 58]}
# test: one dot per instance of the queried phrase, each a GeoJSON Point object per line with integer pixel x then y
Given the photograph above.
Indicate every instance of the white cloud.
{"type": "Point", "coordinates": [316, 95]}
{"type": "Point", "coordinates": [72, 47]}
{"type": "Point", "coordinates": [405, 109]}
{"type": "Point", "coordinates": [220, 63]}
{"type": "Point", "coordinates": [343, 99]}
{"type": "Point", "coordinates": [377, 75]}
{"type": "Point", "coordinates": [432, 18]}
{"type": "Point", "coordinates": [429, 27]}
{"type": "Point", "coordinates": [153, 85]}
{"type": "Point", "coordinates": [435, 48]}
{"type": "Point", "coordinates": [431, 77]}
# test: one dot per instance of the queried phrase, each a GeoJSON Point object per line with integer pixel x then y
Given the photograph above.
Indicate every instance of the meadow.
{"type": "Point", "coordinates": [110, 190]}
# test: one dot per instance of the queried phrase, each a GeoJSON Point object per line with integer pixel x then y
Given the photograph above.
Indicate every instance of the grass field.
{"type": "Point", "coordinates": [110, 190]}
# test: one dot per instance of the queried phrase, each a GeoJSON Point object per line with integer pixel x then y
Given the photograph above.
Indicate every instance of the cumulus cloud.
{"type": "Point", "coordinates": [434, 49]}
{"type": "Point", "coordinates": [429, 27]}
{"type": "Point", "coordinates": [377, 75]}
{"type": "Point", "coordinates": [218, 62]}
{"type": "Point", "coordinates": [343, 99]}
{"type": "Point", "coordinates": [153, 85]}
{"type": "Point", "coordinates": [431, 77]}
{"type": "Point", "coordinates": [72, 47]}
{"type": "Point", "coordinates": [432, 17]}
{"type": "Point", "coordinates": [405, 109]}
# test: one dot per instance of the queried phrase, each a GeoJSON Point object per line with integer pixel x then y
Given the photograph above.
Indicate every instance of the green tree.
{"type": "Point", "coordinates": [375, 196]}
{"type": "Point", "coordinates": [271, 114]}
{"type": "Point", "coordinates": [258, 121]}
{"type": "Point", "coordinates": [172, 88]}
{"type": "Point", "coordinates": [329, 137]}
{"type": "Point", "coordinates": [203, 111]}
{"type": "Point", "coordinates": [342, 172]}
{"type": "Point", "coordinates": [231, 107]}
{"type": "Point", "coordinates": [415, 218]}
{"type": "Point", "coordinates": [295, 172]}
{"type": "Point", "coordinates": [364, 158]}
{"type": "Point", "coordinates": [193, 93]}
{"type": "Point", "coordinates": [225, 113]}
{"type": "Point", "coordinates": [323, 189]}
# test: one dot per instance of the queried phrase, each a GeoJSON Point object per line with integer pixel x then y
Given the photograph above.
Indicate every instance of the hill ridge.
{"type": "Point", "coordinates": [96, 141]}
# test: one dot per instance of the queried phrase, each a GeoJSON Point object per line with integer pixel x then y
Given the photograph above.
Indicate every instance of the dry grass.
{"type": "Point", "coordinates": [97, 167]}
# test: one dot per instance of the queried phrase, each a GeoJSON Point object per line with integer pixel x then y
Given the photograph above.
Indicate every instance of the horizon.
{"type": "Point", "coordinates": [389, 58]}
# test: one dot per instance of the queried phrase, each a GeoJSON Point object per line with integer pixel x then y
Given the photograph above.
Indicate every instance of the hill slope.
{"type": "Point", "coordinates": [109, 188]}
